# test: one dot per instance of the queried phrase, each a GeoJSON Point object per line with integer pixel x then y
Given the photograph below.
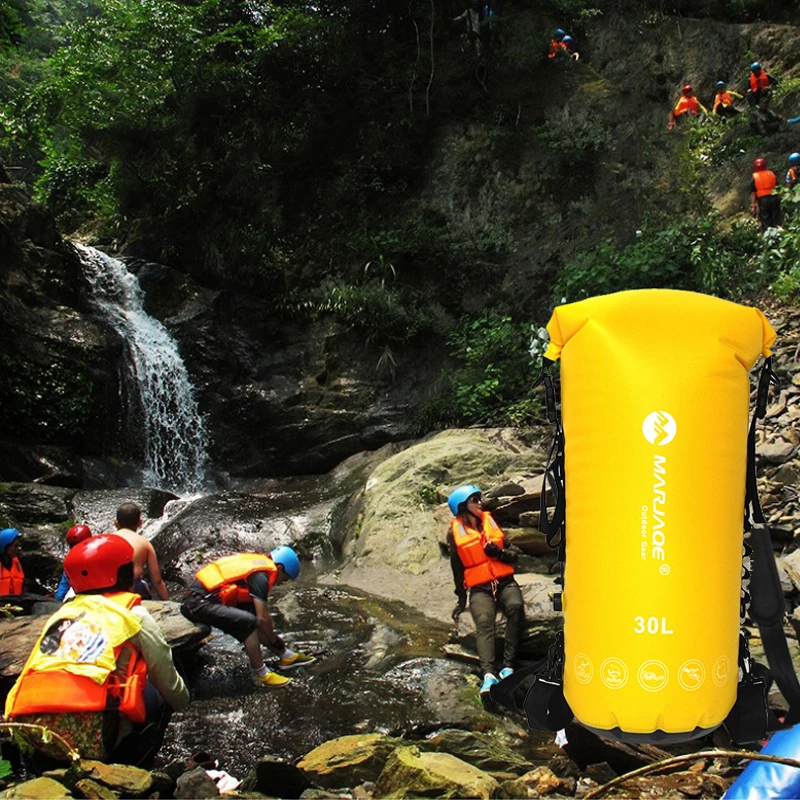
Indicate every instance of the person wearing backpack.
{"type": "Point", "coordinates": [483, 563]}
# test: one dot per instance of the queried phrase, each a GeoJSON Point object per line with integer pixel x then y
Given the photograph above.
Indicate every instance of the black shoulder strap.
{"type": "Point", "coordinates": [766, 596]}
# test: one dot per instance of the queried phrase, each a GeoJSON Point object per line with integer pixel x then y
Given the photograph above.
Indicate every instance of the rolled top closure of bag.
{"type": "Point", "coordinates": [665, 320]}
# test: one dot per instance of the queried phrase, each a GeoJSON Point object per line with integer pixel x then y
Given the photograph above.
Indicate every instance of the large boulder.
{"type": "Point", "coordinates": [348, 760]}
{"type": "Point", "coordinates": [411, 773]}
{"type": "Point", "coordinates": [395, 550]}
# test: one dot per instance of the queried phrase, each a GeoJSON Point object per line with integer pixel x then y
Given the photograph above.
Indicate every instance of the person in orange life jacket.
{"type": "Point", "coordinates": [127, 523]}
{"type": "Point", "coordinates": [231, 594]}
{"type": "Point", "coordinates": [723, 101]}
{"type": "Point", "coordinates": [483, 563]}
{"type": "Point", "coordinates": [764, 203]}
{"type": "Point", "coordinates": [12, 578]}
{"type": "Point", "coordinates": [761, 84]}
{"type": "Point", "coordinates": [101, 674]}
{"type": "Point", "coordinates": [687, 106]}
{"type": "Point", "coordinates": [557, 45]}
{"type": "Point", "coordinates": [793, 173]}
{"type": "Point", "coordinates": [75, 535]}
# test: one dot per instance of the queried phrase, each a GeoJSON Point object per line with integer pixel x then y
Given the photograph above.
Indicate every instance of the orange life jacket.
{"type": "Point", "coordinates": [478, 567]}
{"type": "Point", "coordinates": [722, 99]}
{"type": "Point", "coordinates": [686, 105]}
{"type": "Point", "coordinates": [792, 176]}
{"type": "Point", "coordinates": [765, 182]}
{"type": "Point", "coordinates": [760, 81]}
{"type": "Point", "coordinates": [60, 691]}
{"type": "Point", "coordinates": [230, 573]}
{"type": "Point", "coordinates": [11, 580]}
{"type": "Point", "coordinates": [555, 46]}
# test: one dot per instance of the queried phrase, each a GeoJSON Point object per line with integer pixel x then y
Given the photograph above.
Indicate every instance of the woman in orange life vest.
{"type": "Point", "coordinates": [11, 575]}
{"type": "Point", "coordinates": [764, 203]}
{"type": "Point", "coordinates": [231, 594]}
{"type": "Point", "coordinates": [101, 674]}
{"type": "Point", "coordinates": [483, 563]}
{"type": "Point", "coordinates": [723, 101]}
{"type": "Point", "coordinates": [687, 106]}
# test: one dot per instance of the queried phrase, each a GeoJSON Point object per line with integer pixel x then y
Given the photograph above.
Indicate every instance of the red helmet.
{"type": "Point", "coordinates": [93, 563]}
{"type": "Point", "coordinates": [759, 164]}
{"type": "Point", "coordinates": [687, 90]}
{"type": "Point", "coordinates": [77, 533]}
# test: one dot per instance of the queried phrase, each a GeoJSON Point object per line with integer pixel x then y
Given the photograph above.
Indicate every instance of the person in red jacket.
{"type": "Point", "coordinates": [483, 563]}
{"type": "Point", "coordinates": [12, 577]}
{"type": "Point", "coordinates": [764, 202]}
{"type": "Point", "coordinates": [688, 105]}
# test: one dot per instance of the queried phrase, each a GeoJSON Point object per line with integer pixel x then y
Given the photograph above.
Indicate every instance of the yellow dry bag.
{"type": "Point", "coordinates": [655, 392]}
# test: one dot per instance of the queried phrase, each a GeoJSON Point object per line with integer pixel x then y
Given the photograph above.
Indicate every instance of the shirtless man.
{"type": "Point", "coordinates": [128, 521]}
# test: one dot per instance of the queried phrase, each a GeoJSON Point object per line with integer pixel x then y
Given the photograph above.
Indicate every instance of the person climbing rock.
{"type": "Point", "coordinates": [793, 173]}
{"type": "Point", "coordinates": [557, 46]}
{"type": "Point", "coordinates": [764, 202]}
{"type": "Point", "coordinates": [12, 578]}
{"type": "Point", "coordinates": [483, 563]}
{"type": "Point", "coordinates": [687, 106]}
{"type": "Point", "coordinates": [101, 674]}
{"type": "Point", "coordinates": [764, 121]}
{"type": "Point", "coordinates": [761, 84]}
{"type": "Point", "coordinates": [75, 535]}
{"type": "Point", "coordinates": [723, 101]}
{"type": "Point", "coordinates": [471, 16]}
{"type": "Point", "coordinates": [569, 44]}
{"type": "Point", "coordinates": [127, 523]}
{"type": "Point", "coordinates": [231, 594]}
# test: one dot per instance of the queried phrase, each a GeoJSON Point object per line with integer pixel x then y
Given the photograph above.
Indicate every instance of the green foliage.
{"type": "Point", "coordinates": [491, 384]}
{"type": "Point", "coordinates": [5, 768]}
{"type": "Point", "coordinates": [11, 31]}
{"type": "Point", "coordinates": [695, 255]}
{"type": "Point", "coordinates": [781, 254]}
{"type": "Point", "coordinates": [49, 403]}
{"type": "Point", "coordinates": [581, 130]}
{"type": "Point", "coordinates": [428, 494]}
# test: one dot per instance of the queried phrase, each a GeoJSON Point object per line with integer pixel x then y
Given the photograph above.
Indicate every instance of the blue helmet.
{"type": "Point", "coordinates": [719, 85]}
{"type": "Point", "coordinates": [794, 160]}
{"type": "Point", "coordinates": [567, 39]}
{"type": "Point", "coordinates": [755, 66]}
{"type": "Point", "coordinates": [7, 535]}
{"type": "Point", "coordinates": [461, 495]}
{"type": "Point", "coordinates": [560, 33]}
{"type": "Point", "coordinates": [288, 559]}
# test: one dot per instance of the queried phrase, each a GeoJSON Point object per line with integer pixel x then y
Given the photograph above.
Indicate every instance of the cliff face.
{"type": "Point", "coordinates": [524, 166]}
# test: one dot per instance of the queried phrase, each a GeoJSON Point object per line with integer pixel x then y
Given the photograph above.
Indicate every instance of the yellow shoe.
{"type": "Point", "coordinates": [272, 680]}
{"type": "Point", "coordinates": [297, 660]}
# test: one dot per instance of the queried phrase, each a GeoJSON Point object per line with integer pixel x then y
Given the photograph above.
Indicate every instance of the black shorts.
{"type": "Point", "coordinates": [209, 611]}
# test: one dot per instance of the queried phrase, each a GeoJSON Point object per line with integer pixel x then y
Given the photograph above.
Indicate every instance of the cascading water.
{"type": "Point", "coordinates": [174, 432]}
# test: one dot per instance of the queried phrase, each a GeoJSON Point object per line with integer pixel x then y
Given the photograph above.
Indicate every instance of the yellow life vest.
{"type": "Point", "coordinates": [655, 396]}
{"type": "Point", "coordinates": [74, 665]}
{"type": "Point", "coordinates": [228, 575]}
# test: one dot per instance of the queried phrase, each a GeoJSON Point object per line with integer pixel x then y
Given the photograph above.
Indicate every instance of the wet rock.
{"type": "Point", "coordinates": [98, 509]}
{"type": "Point", "coordinates": [20, 635]}
{"type": "Point", "coordinates": [484, 751]}
{"type": "Point", "coordinates": [93, 790]}
{"type": "Point", "coordinates": [195, 784]}
{"type": "Point", "coordinates": [543, 780]}
{"type": "Point", "coordinates": [277, 777]}
{"type": "Point", "coordinates": [602, 772]}
{"type": "Point", "coordinates": [348, 760]}
{"type": "Point", "coordinates": [411, 773]}
{"type": "Point", "coordinates": [129, 781]}
{"type": "Point", "coordinates": [38, 789]}
{"type": "Point", "coordinates": [24, 504]}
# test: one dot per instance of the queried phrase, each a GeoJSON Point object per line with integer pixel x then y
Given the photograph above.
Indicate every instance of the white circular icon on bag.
{"type": "Point", "coordinates": [659, 428]}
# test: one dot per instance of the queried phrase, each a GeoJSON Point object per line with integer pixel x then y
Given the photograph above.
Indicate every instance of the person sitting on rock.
{"type": "Point", "coordinates": [764, 202]}
{"type": "Point", "coordinates": [723, 101]}
{"type": "Point", "coordinates": [231, 594]}
{"type": "Point", "coordinates": [687, 106]}
{"type": "Point", "coordinates": [483, 563]}
{"type": "Point", "coordinates": [127, 523]}
{"type": "Point", "coordinates": [12, 578]}
{"type": "Point", "coordinates": [75, 535]}
{"type": "Point", "coordinates": [761, 84]}
{"type": "Point", "coordinates": [101, 674]}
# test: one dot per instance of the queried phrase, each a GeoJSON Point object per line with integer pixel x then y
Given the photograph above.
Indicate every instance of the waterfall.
{"type": "Point", "coordinates": [174, 431]}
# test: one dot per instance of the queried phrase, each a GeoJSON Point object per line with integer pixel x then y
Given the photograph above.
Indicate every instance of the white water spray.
{"type": "Point", "coordinates": [174, 432]}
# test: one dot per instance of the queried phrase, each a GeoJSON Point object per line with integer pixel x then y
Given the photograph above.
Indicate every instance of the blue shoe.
{"type": "Point", "coordinates": [505, 672]}
{"type": "Point", "coordinates": [489, 680]}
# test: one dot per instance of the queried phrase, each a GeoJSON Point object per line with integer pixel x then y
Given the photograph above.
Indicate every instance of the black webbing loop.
{"type": "Point", "coordinates": [752, 506]}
